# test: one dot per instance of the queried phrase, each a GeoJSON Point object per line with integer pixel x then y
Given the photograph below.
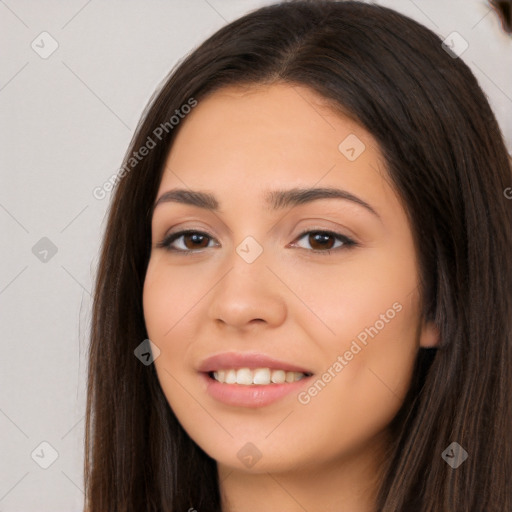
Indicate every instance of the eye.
{"type": "Point", "coordinates": [187, 241]}
{"type": "Point", "coordinates": [320, 241]}
{"type": "Point", "coordinates": [324, 241]}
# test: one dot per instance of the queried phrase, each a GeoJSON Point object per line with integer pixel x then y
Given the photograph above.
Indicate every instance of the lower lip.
{"type": "Point", "coordinates": [253, 396]}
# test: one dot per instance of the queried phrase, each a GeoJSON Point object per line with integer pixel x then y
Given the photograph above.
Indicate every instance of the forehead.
{"type": "Point", "coordinates": [243, 141]}
{"type": "Point", "coordinates": [274, 124]}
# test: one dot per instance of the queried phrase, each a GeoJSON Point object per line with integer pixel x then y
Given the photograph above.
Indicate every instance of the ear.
{"type": "Point", "coordinates": [429, 335]}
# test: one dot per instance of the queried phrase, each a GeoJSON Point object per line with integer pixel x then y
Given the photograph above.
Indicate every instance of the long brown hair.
{"type": "Point", "coordinates": [446, 159]}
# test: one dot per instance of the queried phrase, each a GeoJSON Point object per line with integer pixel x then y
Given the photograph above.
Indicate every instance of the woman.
{"type": "Point", "coordinates": [310, 226]}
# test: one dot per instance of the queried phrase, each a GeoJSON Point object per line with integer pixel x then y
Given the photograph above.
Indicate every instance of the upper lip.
{"type": "Point", "coordinates": [230, 360]}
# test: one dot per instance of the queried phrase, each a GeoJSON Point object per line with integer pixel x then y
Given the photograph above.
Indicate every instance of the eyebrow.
{"type": "Point", "coordinates": [274, 199]}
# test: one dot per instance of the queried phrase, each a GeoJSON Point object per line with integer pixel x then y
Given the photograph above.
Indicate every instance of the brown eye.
{"type": "Point", "coordinates": [325, 241]}
{"type": "Point", "coordinates": [321, 240]}
{"type": "Point", "coordinates": [186, 241]}
{"type": "Point", "coordinates": [195, 240]}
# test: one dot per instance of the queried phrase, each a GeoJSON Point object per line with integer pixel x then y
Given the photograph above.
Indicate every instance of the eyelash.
{"type": "Point", "coordinates": [348, 243]}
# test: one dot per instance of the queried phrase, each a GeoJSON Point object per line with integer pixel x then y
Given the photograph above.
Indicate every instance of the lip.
{"type": "Point", "coordinates": [254, 395]}
{"type": "Point", "coordinates": [228, 360]}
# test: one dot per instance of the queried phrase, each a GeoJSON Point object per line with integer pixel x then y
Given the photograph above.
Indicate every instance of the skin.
{"type": "Point", "coordinates": [291, 303]}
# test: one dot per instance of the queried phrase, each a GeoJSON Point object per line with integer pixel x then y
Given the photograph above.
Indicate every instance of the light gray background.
{"type": "Point", "coordinates": [66, 122]}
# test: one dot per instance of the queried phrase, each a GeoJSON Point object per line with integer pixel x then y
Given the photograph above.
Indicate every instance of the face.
{"type": "Point", "coordinates": [304, 304]}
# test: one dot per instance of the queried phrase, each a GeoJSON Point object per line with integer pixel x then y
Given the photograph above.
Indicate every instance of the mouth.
{"type": "Point", "coordinates": [257, 376]}
{"type": "Point", "coordinates": [251, 380]}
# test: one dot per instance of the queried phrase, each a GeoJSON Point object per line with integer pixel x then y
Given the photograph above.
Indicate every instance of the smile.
{"type": "Point", "coordinates": [258, 376]}
{"type": "Point", "coordinates": [249, 379]}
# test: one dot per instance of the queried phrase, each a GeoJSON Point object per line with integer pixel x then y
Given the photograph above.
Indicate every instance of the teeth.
{"type": "Point", "coordinates": [260, 376]}
{"type": "Point", "coordinates": [230, 377]}
{"type": "Point", "coordinates": [279, 376]}
{"type": "Point", "coordinates": [244, 376]}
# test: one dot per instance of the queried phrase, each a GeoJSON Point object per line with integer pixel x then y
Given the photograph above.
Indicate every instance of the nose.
{"type": "Point", "coordinates": [247, 295]}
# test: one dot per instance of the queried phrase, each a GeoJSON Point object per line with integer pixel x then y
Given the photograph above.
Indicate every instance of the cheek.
{"type": "Point", "coordinates": [375, 345]}
{"type": "Point", "coordinates": [169, 300]}
{"type": "Point", "coordinates": [378, 360]}
{"type": "Point", "coordinates": [373, 364]}
{"type": "Point", "coordinates": [168, 307]}
{"type": "Point", "coordinates": [368, 360]}
{"type": "Point", "coordinates": [172, 303]}
{"type": "Point", "coordinates": [363, 384]}
{"type": "Point", "coordinates": [169, 297]}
